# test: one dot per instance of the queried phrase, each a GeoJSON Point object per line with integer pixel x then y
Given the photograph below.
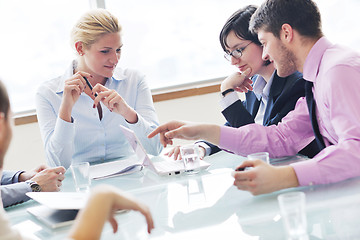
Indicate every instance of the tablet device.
{"type": "Point", "coordinates": [53, 218]}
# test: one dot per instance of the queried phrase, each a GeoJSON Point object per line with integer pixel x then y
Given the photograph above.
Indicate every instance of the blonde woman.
{"type": "Point", "coordinates": [79, 123]}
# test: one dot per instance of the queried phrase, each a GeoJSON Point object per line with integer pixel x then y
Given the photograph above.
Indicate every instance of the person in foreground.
{"type": "Point", "coordinates": [90, 221]}
{"type": "Point", "coordinates": [103, 202]}
{"type": "Point", "coordinates": [14, 184]}
{"type": "Point", "coordinates": [290, 32]}
{"type": "Point", "coordinates": [271, 97]}
{"type": "Point", "coordinates": [78, 123]}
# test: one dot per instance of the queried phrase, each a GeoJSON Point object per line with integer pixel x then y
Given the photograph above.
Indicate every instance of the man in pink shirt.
{"type": "Point", "coordinates": [290, 32]}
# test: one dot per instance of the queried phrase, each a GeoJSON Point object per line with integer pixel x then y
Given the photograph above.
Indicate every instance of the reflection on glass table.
{"type": "Point", "coordinates": [207, 205]}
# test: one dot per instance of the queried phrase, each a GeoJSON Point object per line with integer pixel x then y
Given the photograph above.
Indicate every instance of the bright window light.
{"type": "Point", "coordinates": [172, 42]}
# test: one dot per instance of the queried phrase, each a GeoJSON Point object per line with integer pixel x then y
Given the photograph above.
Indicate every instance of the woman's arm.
{"type": "Point", "coordinates": [56, 133]}
{"type": "Point", "coordinates": [54, 116]}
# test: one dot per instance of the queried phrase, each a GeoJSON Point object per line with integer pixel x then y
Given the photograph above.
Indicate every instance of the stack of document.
{"type": "Point", "coordinates": [115, 168]}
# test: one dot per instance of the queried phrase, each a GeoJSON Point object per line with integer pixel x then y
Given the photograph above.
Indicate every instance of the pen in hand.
{"type": "Point", "coordinates": [89, 84]}
{"type": "Point", "coordinates": [240, 169]}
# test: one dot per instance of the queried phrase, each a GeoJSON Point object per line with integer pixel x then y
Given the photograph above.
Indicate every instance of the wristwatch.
{"type": "Point", "coordinates": [35, 187]}
{"type": "Point", "coordinates": [227, 91]}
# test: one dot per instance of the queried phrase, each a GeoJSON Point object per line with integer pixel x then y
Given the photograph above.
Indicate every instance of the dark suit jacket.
{"type": "Point", "coordinates": [284, 93]}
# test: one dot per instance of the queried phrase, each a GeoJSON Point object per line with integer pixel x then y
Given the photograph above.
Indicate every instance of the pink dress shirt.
{"type": "Point", "coordinates": [335, 72]}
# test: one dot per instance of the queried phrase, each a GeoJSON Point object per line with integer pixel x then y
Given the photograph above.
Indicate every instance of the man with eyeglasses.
{"type": "Point", "coordinates": [272, 96]}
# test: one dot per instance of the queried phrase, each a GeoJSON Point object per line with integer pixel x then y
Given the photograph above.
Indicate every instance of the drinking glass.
{"type": "Point", "coordinates": [81, 176]}
{"type": "Point", "coordinates": [191, 157]}
{"type": "Point", "coordinates": [292, 209]}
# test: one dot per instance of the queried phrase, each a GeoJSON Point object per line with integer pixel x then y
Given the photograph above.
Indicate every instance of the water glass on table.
{"type": "Point", "coordinates": [292, 209]}
{"type": "Point", "coordinates": [81, 176]}
{"type": "Point", "coordinates": [264, 156]}
{"type": "Point", "coordinates": [191, 157]}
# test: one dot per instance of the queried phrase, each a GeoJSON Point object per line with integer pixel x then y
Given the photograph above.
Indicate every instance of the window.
{"type": "Point", "coordinates": [172, 42]}
{"type": "Point", "coordinates": [35, 44]}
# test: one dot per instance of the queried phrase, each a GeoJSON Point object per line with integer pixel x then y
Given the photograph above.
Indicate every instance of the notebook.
{"type": "Point", "coordinates": [162, 165]}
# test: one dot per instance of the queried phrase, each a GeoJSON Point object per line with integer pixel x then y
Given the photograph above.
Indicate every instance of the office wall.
{"type": "Point", "coordinates": [26, 150]}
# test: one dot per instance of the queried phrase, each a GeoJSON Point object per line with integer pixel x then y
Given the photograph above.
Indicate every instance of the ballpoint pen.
{"type": "Point", "coordinates": [89, 84]}
{"type": "Point", "coordinates": [240, 169]}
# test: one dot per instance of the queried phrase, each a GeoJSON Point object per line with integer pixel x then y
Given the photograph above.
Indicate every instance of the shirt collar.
{"type": "Point", "coordinates": [261, 88]}
{"type": "Point", "coordinates": [68, 73]}
{"type": "Point", "coordinates": [117, 76]}
{"type": "Point", "coordinates": [313, 59]}
{"type": "Point", "coordinates": [266, 90]}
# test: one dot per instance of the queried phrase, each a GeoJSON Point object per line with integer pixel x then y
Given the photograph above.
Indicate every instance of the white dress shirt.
{"type": "Point", "coordinates": [261, 89]}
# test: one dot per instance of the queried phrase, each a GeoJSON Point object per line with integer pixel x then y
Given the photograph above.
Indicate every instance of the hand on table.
{"type": "Point", "coordinates": [264, 178]}
{"type": "Point", "coordinates": [50, 179]}
{"type": "Point", "coordinates": [27, 175]}
{"type": "Point", "coordinates": [175, 151]}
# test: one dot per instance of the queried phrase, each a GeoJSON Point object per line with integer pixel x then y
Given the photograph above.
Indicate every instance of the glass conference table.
{"type": "Point", "coordinates": [208, 206]}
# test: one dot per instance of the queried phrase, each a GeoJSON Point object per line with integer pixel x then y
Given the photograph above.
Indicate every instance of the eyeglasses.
{"type": "Point", "coordinates": [237, 53]}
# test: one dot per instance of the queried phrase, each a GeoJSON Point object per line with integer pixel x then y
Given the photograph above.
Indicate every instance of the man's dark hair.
{"type": "Point", "coordinates": [301, 15]}
{"type": "Point", "coordinates": [4, 100]}
{"type": "Point", "coordinates": [239, 23]}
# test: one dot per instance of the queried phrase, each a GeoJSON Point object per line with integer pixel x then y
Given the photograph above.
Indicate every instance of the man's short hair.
{"type": "Point", "coordinates": [4, 100]}
{"type": "Point", "coordinates": [301, 15]}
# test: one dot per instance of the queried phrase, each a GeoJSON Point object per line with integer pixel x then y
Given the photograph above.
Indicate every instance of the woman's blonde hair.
{"type": "Point", "coordinates": [93, 25]}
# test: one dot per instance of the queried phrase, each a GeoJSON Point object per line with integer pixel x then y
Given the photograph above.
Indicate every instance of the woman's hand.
{"type": "Point", "coordinates": [73, 88]}
{"type": "Point", "coordinates": [175, 151]}
{"type": "Point", "coordinates": [177, 154]}
{"type": "Point", "coordinates": [238, 81]}
{"type": "Point", "coordinates": [114, 102]}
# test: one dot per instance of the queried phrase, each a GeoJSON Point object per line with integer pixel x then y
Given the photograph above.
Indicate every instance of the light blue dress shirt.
{"type": "Point", "coordinates": [87, 138]}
